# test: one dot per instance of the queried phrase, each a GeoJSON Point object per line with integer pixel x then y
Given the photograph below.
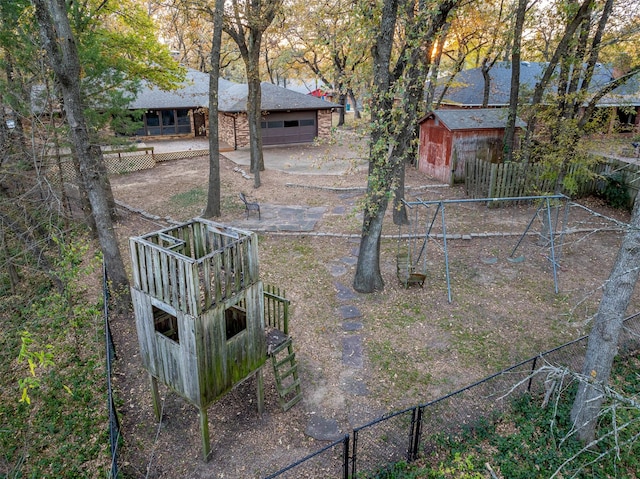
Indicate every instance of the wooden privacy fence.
{"type": "Point", "coordinates": [506, 180]}
{"type": "Point", "coordinates": [116, 162]}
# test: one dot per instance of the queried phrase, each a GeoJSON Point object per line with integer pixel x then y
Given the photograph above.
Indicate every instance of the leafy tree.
{"type": "Point", "coordinates": [390, 129]}
{"type": "Point", "coordinates": [59, 43]}
{"type": "Point", "coordinates": [213, 192]}
{"type": "Point", "coordinates": [245, 22]}
{"type": "Point", "coordinates": [332, 43]}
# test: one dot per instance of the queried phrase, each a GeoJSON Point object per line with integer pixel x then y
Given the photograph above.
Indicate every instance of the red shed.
{"type": "Point", "coordinates": [448, 137]}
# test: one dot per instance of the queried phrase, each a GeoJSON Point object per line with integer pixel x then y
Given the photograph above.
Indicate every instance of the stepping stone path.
{"type": "Point", "coordinates": [323, 429]}
{"type": "Point", "coordinates": [327, 429]}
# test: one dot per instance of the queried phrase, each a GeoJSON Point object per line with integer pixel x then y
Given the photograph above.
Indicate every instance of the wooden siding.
{"type": "Point", "coordinates": [223, 363]}
{"type": "Point", "coordinates": [443, 153]}
{"type": "Point", "coordinates": [171, 362]}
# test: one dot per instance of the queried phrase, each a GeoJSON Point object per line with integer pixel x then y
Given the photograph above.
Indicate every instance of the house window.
{"type": "Point", "coordinates": [290, 123]}
{"type": "Point", "coordinates": [165, 323]}
{"type": "Point", "coordinates": [183, 121]}
{"type": "Point", "coordinates": [165, 122]}
{"type": "Point", "coordinates": [275, 124]}
{"type": "Point", "coordinates": [235, 319]}
{"type": "Point", "coordinates": [307, 122]}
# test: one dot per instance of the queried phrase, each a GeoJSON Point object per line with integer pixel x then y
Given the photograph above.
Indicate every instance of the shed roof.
{"type": "Point", "coordinates": [472, 119]}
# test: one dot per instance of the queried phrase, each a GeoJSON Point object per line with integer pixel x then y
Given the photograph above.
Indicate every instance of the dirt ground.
{"type": "Point", "coordinates": [414, 345]}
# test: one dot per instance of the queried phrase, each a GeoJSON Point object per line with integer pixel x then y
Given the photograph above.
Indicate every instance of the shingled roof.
{"type": "Point", "coordinates": [274, 98]}
{"type": "Point", "coordinates": [473, 118]}
{"type": "Point", "coordinates": [469, 85]}
{"type": "Point", "coordinates": [194, 93]}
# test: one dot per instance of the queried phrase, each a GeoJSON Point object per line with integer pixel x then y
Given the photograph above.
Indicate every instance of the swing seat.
{"type": "Point", "coordinates": [406, 272]}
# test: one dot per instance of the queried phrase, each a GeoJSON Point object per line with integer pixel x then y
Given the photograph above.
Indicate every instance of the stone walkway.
{"type": "Point", "coordinates": [280, 219]}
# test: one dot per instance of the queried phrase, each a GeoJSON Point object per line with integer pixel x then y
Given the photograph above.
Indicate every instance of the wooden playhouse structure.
{"type": "Point", "coordinates": [200, 315]}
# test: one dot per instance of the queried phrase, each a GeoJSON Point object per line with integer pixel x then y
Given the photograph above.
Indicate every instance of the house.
{"type": "Point", "coordinates": [289, 117]}
{"type": "Point", "coordinates": [467, 90]}
{"type": "Point", "coordinates": [178, 112]}
{"type": "Point", "coordinates": [448, 137]}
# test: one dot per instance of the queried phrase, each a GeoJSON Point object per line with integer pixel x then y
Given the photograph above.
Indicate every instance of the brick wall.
{"type": "Point", "coordinates": [324, 123]}
{"type": "Point", "coordinates": [226, 128]}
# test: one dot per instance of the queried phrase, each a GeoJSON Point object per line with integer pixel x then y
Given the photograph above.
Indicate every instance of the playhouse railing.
{"type": "Point", "coordinates": [276, 308]}
{"type": "Point", "coordinates": [195, 265]}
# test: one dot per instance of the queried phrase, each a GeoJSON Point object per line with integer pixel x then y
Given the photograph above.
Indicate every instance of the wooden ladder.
{"type": "Point", "coordinates": [285, 370]}
{"type": "Point", "coordinates": [280, 347]}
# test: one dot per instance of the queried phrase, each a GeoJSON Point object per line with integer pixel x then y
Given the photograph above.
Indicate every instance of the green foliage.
{"type": "Point", "coordinates": [54, 418]}
{"type": "Point", "coordinates": [459, 468]}
{"type": "Point", "coordinates": [615, 191]}
{"type": "Point", "coordinates": [36, 360]}
{"type": "Point", "coordinates": [528, 441]}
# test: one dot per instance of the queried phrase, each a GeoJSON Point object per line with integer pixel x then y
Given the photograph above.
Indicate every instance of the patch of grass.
{"type": "Point", "coordinates": [401, 370]}
{"type": "Point", "coordinates": [528, 441]}
{"type": "Point", "coordinates": [195, 196]}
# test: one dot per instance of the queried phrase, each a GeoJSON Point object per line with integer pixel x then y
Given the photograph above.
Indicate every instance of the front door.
{"type": "Point", "coordinates": [199, 124]}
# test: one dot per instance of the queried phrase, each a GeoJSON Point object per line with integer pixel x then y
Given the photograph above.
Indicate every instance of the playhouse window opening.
{"type": "Point", "coordinates": [235, 321]}
{"type": "Point", "coordinates": [166, 324]}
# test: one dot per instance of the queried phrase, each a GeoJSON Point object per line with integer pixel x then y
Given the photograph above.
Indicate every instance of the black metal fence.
{"type": "Point", "coordinates": [403, 435]}
{"type": "Point", "coordinates": [114, 422]}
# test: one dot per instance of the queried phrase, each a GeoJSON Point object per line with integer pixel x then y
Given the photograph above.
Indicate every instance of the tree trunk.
{"type": "Point", "coordinates": [368, 277]}
{"type": "Point", "coordinates": [254, 99]}
{"type": "Point", "coordinates": [603, 339]}
{"type": "Point", "coordinates": [387, 135]}
{"type": "Point", "coordinates": [510, 129]}
{"type": "Point", "coordinates": [59, 43]}
{"type": "Point", "coordinates": [352, 96]}
{"type": "Point", "coordinates": [213, 192]}
{"type": "Point", "coordinates": [485, 68]}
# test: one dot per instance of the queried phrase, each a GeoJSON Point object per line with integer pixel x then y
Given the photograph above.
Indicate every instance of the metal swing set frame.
{"type": "Point", "coordinates": [406, 264]}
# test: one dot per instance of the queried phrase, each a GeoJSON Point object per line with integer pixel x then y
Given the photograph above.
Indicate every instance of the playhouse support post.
{"type": "Point", "coordinates": [260, 390]}
{"type": "Point", "coordinates": [204, 430]}
{"type": "Point", "coordinates": [155, 397]}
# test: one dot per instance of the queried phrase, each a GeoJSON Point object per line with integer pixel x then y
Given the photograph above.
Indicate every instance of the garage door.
{"type": "Point", "coordinates": [294, 127]}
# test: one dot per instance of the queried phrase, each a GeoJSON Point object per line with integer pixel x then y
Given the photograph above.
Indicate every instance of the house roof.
{"type": "Point", "coordinates": [194, 93]}
{"type": "Point", "coordinates": [274, 98]}
{"type": "Point", "coordinates": [469, 85]}
{"type": "Point", "coordinates": [472, 119]}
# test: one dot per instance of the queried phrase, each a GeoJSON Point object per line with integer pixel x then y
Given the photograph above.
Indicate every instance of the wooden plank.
{"type": "Point", "coordinates": [173, 279]}
{"type": "Point", "coordinates": [135, 263]}
{"type": "Point", "coordinates": [164, 269]}
{"type": "Point", "coordinates": [149, 270]}
{"type": "Point", "coordinates": [207, 283]}
{"type": "Point", "coordinates": [193, 289]}
{"type": "Point", "coordinates": [217, 277]}
{"type": "Point", "coordinates": [157, 274]}
{"type": "Point", "coordinates": [182, 287]}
